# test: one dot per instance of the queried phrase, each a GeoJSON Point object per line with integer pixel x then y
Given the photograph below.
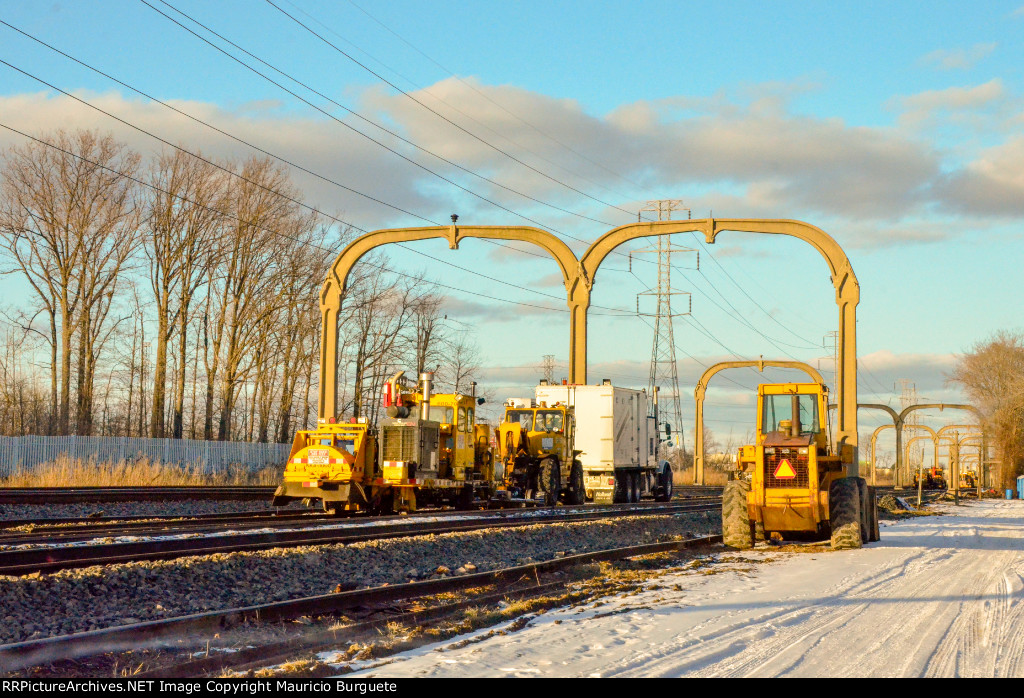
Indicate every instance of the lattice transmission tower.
{"type": "Point", "coordinates": [663, 352]}
{"type": "Point", "coordinates": [548, 367]}
{"type": "Point", "coordinates": [908, 397]}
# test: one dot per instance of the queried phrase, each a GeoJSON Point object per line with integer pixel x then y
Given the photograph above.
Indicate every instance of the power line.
{"type": "Point", "coordinates": [486, 97]}
{"type": "Point", "coordinates": [442, 116]}
{"type": "Point", "coordinates": [363, 118]}
{"type": "Point", "coordinates": [455, 108]}
{"type": "Point", "coordinates": [392, 133]}
{"type": "Point", "coordinates": [621, 311]}
{"type": "Point", "coordinates": [306, 243]}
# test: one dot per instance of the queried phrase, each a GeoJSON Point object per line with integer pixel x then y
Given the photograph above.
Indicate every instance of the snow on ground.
{"type": "Point", "coordinates": [938, 596]}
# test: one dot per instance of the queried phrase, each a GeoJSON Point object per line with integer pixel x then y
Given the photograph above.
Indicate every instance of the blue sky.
{"type": "Point", "coordinates": [896, 127]}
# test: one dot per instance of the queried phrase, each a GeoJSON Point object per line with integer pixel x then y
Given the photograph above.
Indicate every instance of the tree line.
{"type": "Point", "coordinates": [178, 297]}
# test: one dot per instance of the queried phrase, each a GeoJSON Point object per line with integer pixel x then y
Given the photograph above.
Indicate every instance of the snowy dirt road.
{"type": "Point", "coordinates": [938, 596]}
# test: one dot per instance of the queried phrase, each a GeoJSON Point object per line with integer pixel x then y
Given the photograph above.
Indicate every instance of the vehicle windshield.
{"type": "Point", "coordinates": [549, 420]}
{"type": "Point", "coordinates": [780, 407]}
{"type": "Point", "coordinates": [524, 417]}
{"type": "Point", "coordinates": [441, 414]}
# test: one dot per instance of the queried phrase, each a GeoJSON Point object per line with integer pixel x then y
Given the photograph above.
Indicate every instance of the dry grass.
{"type": "Point", "coordinates": [75, 472]}
{"type": "Point", "coordinates": [712, 477]}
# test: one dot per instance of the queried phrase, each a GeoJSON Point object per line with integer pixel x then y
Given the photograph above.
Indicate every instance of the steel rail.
{"type": "Point", "coordinates": [42, 534]}
{"type": "Point", "coordinates": [46, 560]}
{"type": "Point", "coordinates": [79, 495]}
{"type": "Point", "coordinates": [98, 522]}
{"type": "Point", "coordinates": [16, 656]}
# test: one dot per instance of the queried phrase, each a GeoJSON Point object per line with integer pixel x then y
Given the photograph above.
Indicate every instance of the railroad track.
{"type": "Point", "coordinates": [171, 631]}
{"type": "Point", "coordinates": [78, 495]}
{"type": "Point", "coordinates": [21, 561]}
{"type": "Point", "coordinates": [42, 531]}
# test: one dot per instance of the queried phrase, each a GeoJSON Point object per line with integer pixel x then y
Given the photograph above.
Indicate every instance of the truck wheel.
{"type": "Point", "coordinates": [665, 486]}
{"type": "Point", "coordinates": [844, 514]}
{"type": "Point", "coordinates": [621, 494]}
{"type": "Point", "coordinates": [735, 515]}
{"type": "Point", "coordinates": [385, 506]}
{"type": "Point", "coordinates": [577, 493]}
{"type": "Point", "coordinates": [550, 480]}
{"type": "Point", "coordinates": [464, 502]}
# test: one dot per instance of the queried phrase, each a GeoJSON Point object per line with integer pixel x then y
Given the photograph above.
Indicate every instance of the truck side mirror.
{"type": "Point", "coordinates": [480, 401]}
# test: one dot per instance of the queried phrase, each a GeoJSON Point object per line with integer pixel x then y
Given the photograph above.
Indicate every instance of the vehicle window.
{"type": "Point", "coordinates": [441, 414]}
{"type": "Point", "coordinates": [469, 420]}
{"type": "Point", "coordinates": [462, 419]}
{"type": "Point", "coordinates": [524, 417]}
{"type": "Point", "coordinates": [780, 407]}
{"type": "Point", "coordinates": [549, 420]}
{"type": "Point", "coordinates": [348, 445]}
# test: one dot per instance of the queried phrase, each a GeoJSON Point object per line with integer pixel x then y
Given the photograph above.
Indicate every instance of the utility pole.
{"type": "Point", "coordinates": [663, 351]}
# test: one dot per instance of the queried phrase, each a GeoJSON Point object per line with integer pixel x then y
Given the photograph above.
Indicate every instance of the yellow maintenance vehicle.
{"type": "Point", "coordinates": [790, 483]}
{"type": "Point", "coordinates": [536, 449]}
{"type": "Point", "coordinates": [933, 479]}
{"type": "Point", "coordinates": [428, 450]}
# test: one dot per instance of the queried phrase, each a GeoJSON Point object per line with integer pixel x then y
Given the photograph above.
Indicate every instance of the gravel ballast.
{"type": "Point", "coordinates": [97, 597]}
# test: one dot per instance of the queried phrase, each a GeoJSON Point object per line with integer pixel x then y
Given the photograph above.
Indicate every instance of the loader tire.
{"type": "Point", "coordinates": [844, 514]}
{"type": "Point", "coordinates": [736, 529]}
{"type": "Point", "coordinates": [550, 481]}
{"type": "Point", "coordinates": [865, 510]}
{"type": "Point", "coordinates": [875, 534]}
{"type": "Point", "coordinates": [577, 493]}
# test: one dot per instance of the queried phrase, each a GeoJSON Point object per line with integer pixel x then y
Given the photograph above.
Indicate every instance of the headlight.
{"type": "Point", "coordinates": [802, 451]}
{"type": "Point", "coordinates": [769, 450]}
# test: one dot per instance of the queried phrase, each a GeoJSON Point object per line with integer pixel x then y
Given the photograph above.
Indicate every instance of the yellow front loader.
{"type": "Point", "coordinates": [790, 484]}
{"type": "Point", "coordinates": [536, 448]}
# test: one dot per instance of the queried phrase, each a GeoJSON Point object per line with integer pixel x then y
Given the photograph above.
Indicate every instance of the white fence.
{"type": "Point", "coordinates": [212, 455]}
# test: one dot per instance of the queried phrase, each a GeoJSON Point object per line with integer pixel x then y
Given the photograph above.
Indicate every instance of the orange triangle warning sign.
{"type": "Point", "coordinates": [785, 470]}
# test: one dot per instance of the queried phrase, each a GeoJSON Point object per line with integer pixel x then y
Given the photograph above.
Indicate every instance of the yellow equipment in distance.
{"type": "Point", "coordinates": [790, 482]}
{"type": "Point", "coordinates": [429, 449]}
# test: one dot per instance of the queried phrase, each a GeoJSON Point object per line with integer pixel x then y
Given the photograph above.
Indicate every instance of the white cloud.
{"type": "Point", "coordinates": [954, 98]}
{"type": "Point", "coordinates": [990, 185]}
{"type": "Point", "coordinates": [959, 59]}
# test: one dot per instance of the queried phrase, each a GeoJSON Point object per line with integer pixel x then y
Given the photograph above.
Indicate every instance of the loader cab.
{"type": "Point", "coordinates": [791, 414]}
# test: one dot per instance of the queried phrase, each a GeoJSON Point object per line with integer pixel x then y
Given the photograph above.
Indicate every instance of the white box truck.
{"type": "Point", "coordinates": [618, 439]}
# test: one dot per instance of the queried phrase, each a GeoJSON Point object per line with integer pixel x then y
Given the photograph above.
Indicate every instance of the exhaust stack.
{"type": "Point", "coordinates": [427, 379]}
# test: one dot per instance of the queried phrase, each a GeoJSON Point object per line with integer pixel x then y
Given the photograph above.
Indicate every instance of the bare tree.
{"type": "Point", "coordinates": [182, 219]}
{"type": "Point", "coordinates": [461, 364]}
{"type": "Point", "coordinates": [992, 374]}
{"type": "Point", "coordinates": [68, 220]}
